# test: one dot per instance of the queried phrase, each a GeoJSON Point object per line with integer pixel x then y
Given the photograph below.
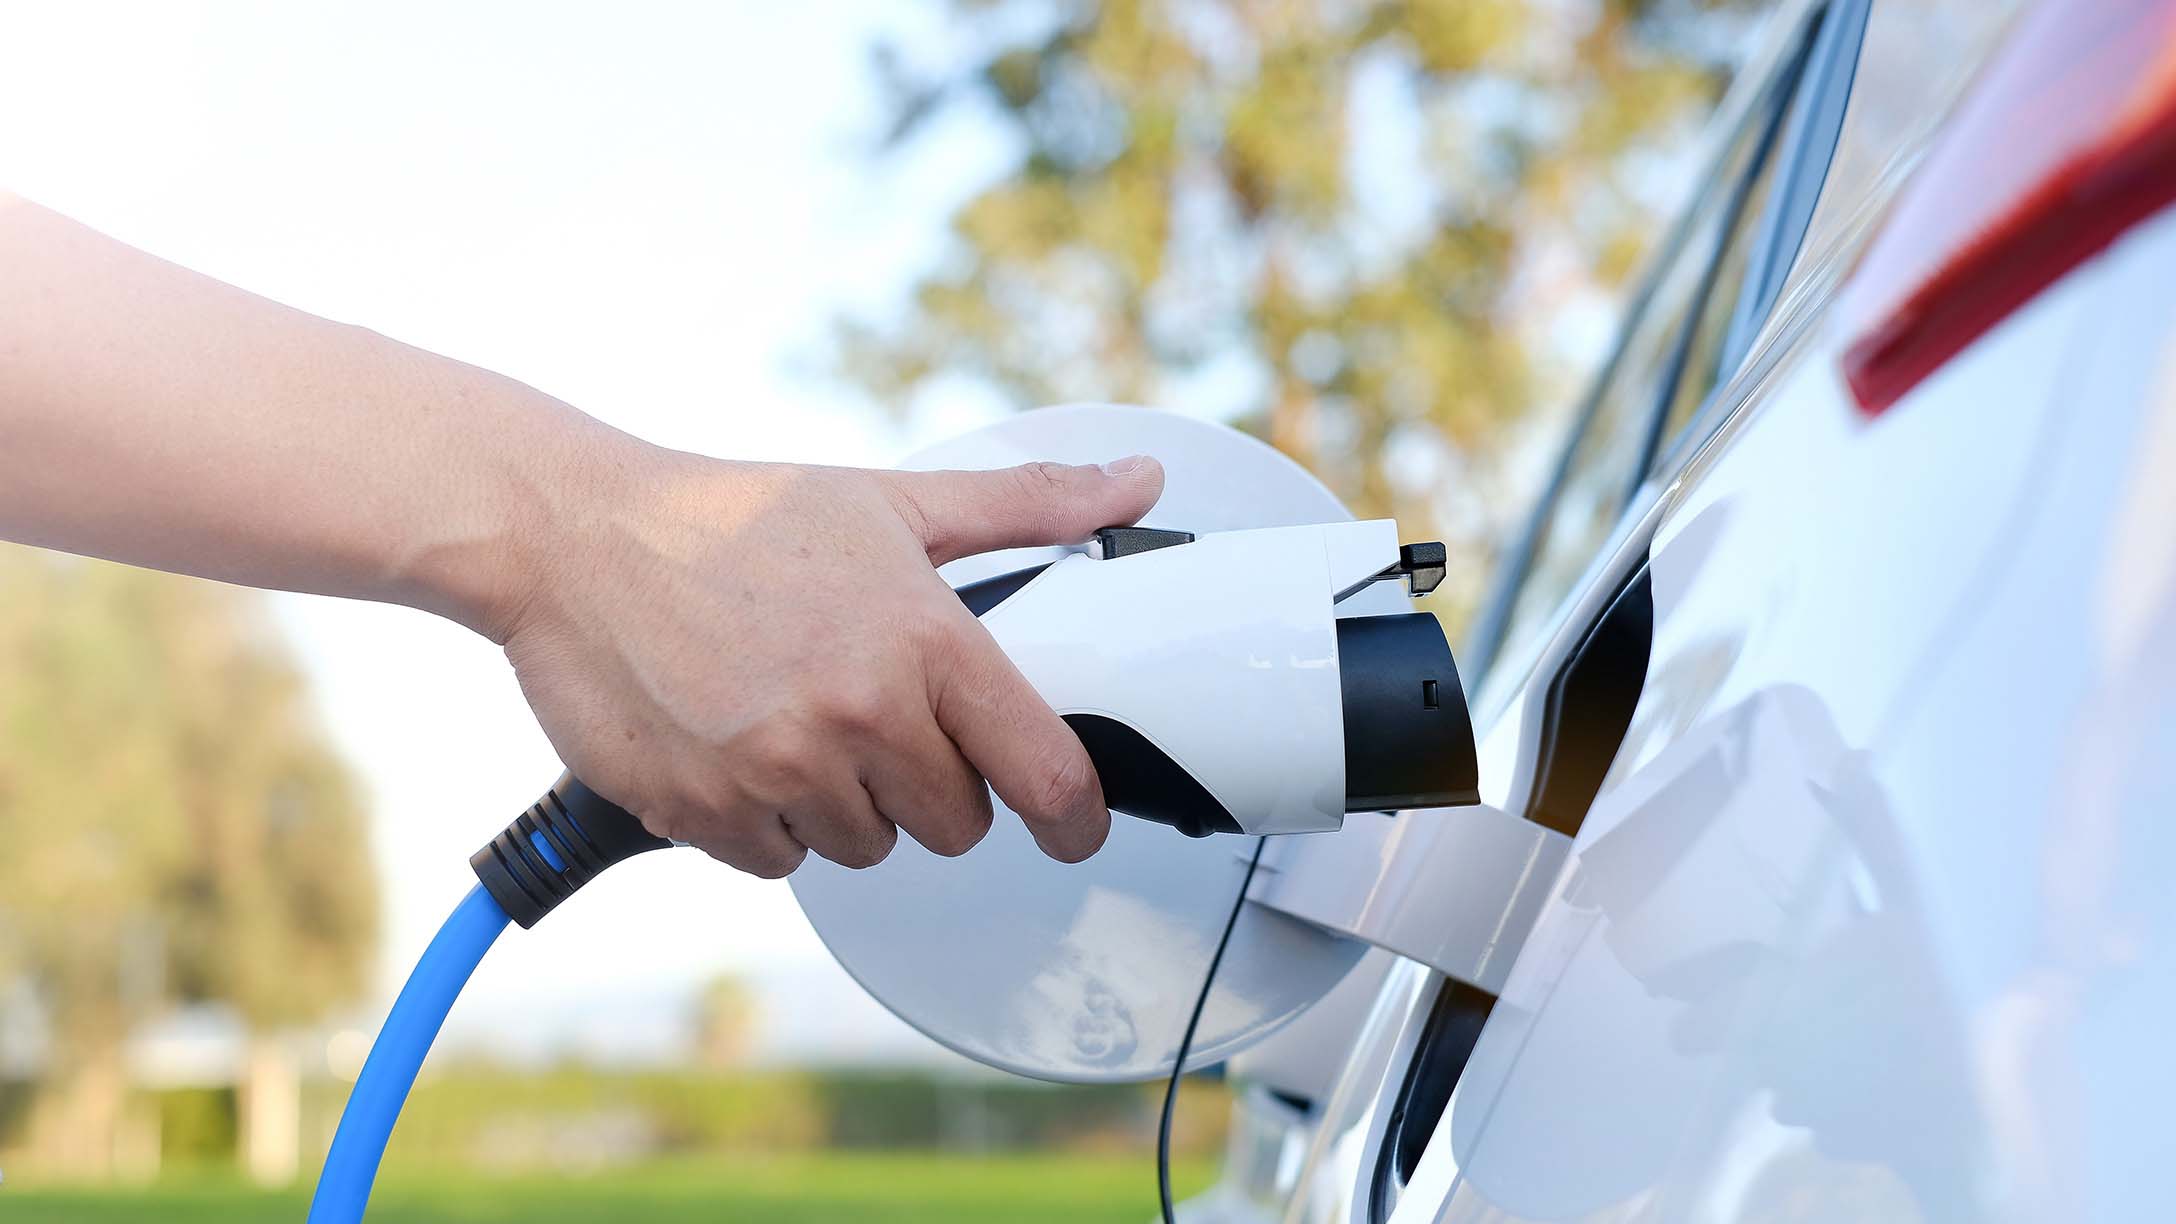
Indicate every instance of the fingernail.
{"type": "Point", "coordinates": [1120, 467]}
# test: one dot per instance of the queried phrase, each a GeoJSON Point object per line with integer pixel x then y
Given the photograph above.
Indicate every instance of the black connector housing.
{"type": "Point", "coordinates": [555, 847]}
{"type": "Point", "coordinates": [1408, 734]}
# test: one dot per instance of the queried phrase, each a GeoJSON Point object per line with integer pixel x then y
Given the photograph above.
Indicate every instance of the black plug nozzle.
{"type": "Point", "coordinates": [1408, 733]}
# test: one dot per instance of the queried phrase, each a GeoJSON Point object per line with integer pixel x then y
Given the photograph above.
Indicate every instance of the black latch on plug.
{"type": "Point", "coordinates": [1423, 565]}
{"type": "Point", "coordinates": [1115, 542]}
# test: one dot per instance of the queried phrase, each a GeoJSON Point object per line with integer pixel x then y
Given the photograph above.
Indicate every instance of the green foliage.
{"type": "Point", "coordinates": [1195, 194]}
{"type": "Point", "coordinates": [904, 1109]}
{"type": "Point", "coordinates": [517, 1118]}
{"type": "Point", "coordinates": [177, 827]}
{"type": "Point", "coordinates": [484, 1117]}
{"type": "Point", "coordinates": [198, 1127]}
{"type": "Point", "coordinates": [916, 1188]}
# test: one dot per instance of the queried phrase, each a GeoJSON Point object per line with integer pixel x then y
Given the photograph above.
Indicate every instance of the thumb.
{"type": "Point", "coordinates": [958, 514]}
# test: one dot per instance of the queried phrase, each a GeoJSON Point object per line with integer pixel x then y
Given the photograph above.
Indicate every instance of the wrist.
{"type": "Point", "coordinates": [540, 478]}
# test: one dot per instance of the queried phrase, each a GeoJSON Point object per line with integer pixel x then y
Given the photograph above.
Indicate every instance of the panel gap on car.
{"type": "Point", "coordinates": [1588, 706]}
{"type": "Point", "coordinates": [1439, 1058]}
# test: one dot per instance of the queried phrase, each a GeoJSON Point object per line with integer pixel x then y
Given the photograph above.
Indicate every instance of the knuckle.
{"type": "Point", "coordinates": [914, 514]}
{"type": "Point", "coordinates": [774, 756]}
{"type": "Point", "coordinates": [959, 834]}
{"type": "Point", "coordinates": [1037, 482]}
{"type": "Point", "coordinates": [871, 848]}
{"type": "Point", "coordinates": [776, 865]}
{"type": "Point", "coordinates": [691, 811]}
{"type": "Point", "coordinates": [655, 812]}
{"type": "Point", "coordinates": [1045, 475]}
{"type": "Point", "coordinates": [670, 823]}
{"type": "Point", "coordinates": [942, 637]}
{"type": "Point", "coordinates": [739, 831]}
{"type": "Point", "coordinates": [861, 708]}
{"type": "Point", "coordinates": [1063, 786]}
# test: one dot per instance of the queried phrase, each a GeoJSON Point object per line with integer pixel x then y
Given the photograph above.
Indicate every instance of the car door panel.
{"type": "Point", "coordinates": [1833, 939]}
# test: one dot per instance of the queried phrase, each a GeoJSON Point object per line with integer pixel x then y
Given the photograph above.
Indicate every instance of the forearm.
{"type": "Point", "coordinates": [674, 621]}
{"type": "Point", "coordinates": [158, 417]}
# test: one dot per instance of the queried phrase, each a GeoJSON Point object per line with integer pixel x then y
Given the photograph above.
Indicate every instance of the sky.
{"type": "Point", "coordinates": [649, 214]}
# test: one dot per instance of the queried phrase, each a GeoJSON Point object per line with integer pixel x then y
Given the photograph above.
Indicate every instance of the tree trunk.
{"type": "Point", "coordinates": [270, 1097]}
{"type": "Point", "coordinates": [75, 1123]}
{"type": "Point", "coordinates": [136, 1149]}
{"type": "Point", "coordinates": [1292, 422]}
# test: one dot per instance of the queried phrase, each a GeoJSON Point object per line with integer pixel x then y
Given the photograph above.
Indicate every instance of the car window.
{"type": "Point", "coordinates": [1668, 354]}
{"type": "Point", "coordinates": [1711, 328]}
{"type": "Point", "coordinates": [1773, 226]}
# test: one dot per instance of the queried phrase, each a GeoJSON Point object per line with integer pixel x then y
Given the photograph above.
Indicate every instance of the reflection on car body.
{"type": "Point", "coordinates": [1867, 919]}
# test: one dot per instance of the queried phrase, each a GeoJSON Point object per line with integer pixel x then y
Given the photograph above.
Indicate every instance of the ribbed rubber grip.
{"type": "Point", "coordinates": [555, 847]}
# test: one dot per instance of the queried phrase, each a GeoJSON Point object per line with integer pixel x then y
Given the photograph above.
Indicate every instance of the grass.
{"type": "Point", "coordinates": [889, 1188]}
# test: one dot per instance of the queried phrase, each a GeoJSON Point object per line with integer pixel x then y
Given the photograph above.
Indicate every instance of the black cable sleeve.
{"type": "Point", "coordinates": [558, 845]}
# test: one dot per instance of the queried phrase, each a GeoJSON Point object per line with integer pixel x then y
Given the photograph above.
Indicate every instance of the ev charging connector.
{"type": "Point", "coordinates": [1209, 676]}
{"type": "Point", "coordinates": [1212, 682]}
{"type": "Point", "coordinates": [1218, 691]}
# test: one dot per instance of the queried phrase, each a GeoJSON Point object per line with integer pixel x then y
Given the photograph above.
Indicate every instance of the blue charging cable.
{"type": "Point", "coordinates": [555, 847]}
{"type": "Point", "coordinates": [343, 1189]}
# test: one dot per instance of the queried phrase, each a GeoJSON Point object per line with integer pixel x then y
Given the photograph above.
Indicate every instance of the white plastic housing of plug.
{"type": "Point", "coordinates": [1222, 653]}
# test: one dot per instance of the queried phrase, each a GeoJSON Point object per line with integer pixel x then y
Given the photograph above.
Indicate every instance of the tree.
{"type": "Point", "coordinates": [727, 1016]}
{"type": "Point", "coordinates": [1351, 221]}
{"type": "Point", "coordinates": [176, 828]}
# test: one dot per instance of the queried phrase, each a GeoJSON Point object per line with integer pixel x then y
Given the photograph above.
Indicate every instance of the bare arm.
{"type": "Point", "coordinates": [673, 619]}
{"type": "Point", "coordinates": [159, 417]}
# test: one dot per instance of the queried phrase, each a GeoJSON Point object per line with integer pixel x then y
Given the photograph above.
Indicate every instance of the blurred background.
{"type": "Point", "coordinates": [1388, 237]}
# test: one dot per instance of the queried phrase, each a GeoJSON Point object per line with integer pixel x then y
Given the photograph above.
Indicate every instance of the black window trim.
{"type": "Point", "coordinates": [1824, 59]}
{"type": "Point", "coordinates": [1673, 370]}
{"type": "Point", "coordinates": [1809, 148]}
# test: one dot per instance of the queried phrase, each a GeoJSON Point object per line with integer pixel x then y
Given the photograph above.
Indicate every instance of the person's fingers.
{"type": "Point", "coordinates": [1004, 728]}
{"type": "Point", "coordinates": [959, 514]}
{"type": "Point", "coordinates": [842, 825]}
{"type": "Point", "coordinates": [760, 845]}
{"type": "Point", "coordinates": [923, 785]}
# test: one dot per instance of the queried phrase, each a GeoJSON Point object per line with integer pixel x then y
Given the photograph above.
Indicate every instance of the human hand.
{"type": "Point", "coordinates": [757, 659]}
{"type": "Point", "coordinates": [760, 659]}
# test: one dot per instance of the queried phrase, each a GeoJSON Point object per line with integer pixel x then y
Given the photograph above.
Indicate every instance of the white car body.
{"type": "Point", "coordinates": [1869, 918]}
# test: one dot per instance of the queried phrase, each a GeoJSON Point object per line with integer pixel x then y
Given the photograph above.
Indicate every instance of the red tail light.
{"type": "Point", "coordinates": [2066, 141]}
